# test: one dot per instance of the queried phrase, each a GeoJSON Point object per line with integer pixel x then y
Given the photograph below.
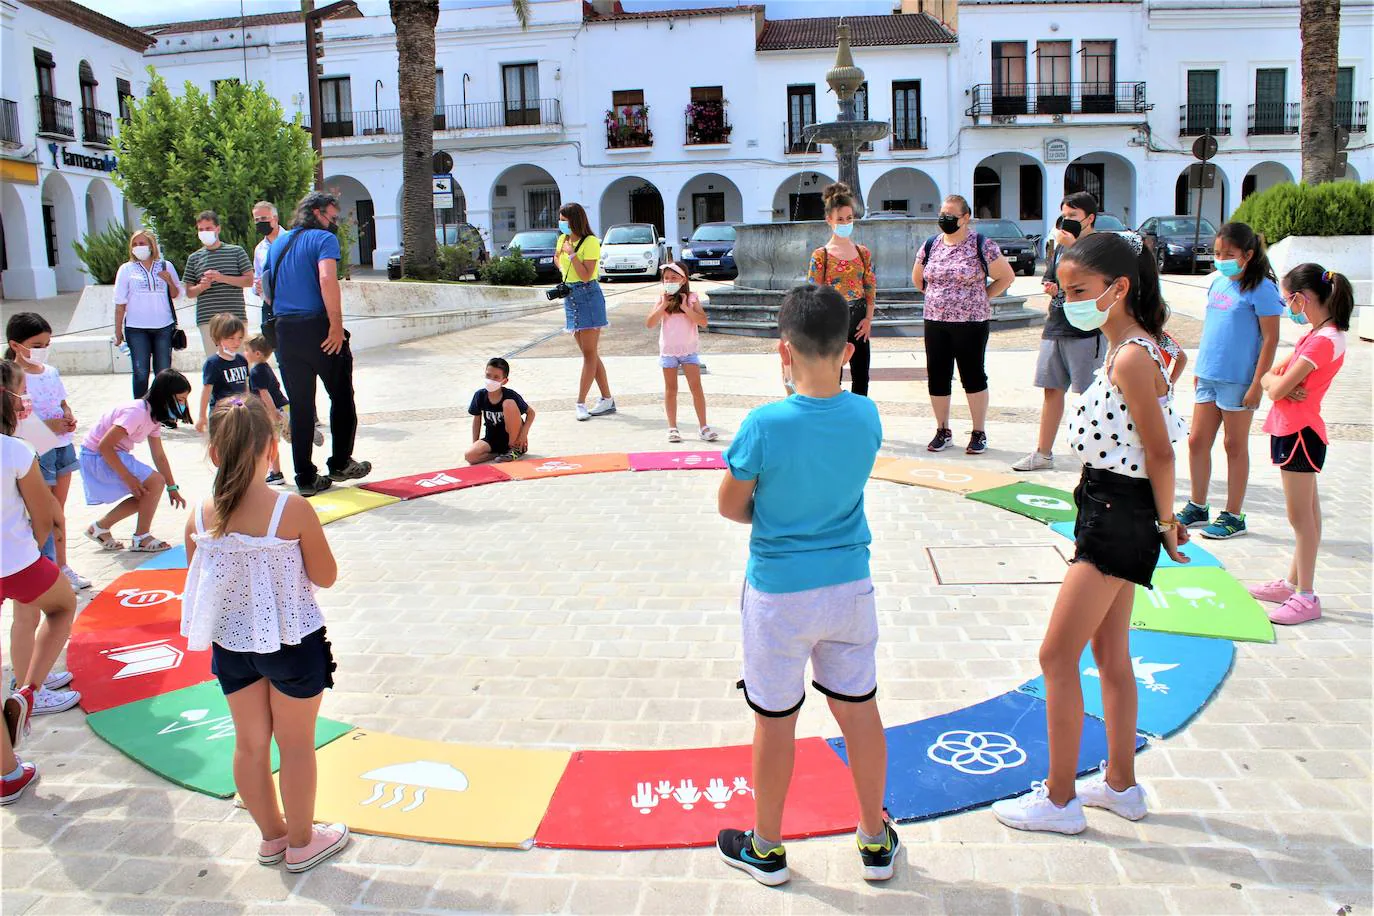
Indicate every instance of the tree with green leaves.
{"type": "Point", "coordinates": [179, 155]}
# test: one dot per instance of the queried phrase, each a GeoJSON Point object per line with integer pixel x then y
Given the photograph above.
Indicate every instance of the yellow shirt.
{"type": "Point", "coordinates": [590, 250]}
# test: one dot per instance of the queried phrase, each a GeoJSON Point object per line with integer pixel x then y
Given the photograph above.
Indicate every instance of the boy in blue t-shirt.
{"type": "Point", "coordinates": [798, 468]}
{"type": "Point", "coordinates": [225, 371]}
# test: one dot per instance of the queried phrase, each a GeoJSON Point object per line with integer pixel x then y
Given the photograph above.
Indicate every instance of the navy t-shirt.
{"type": "Point", "coordinates": [492, 413]}
{"type": "Point", "coordinates": [262, 378]}
{"type": "Point", "coordinates": [225, 376]}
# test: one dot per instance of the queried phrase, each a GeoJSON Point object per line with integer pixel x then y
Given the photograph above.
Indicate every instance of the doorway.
{"type": "Point", "coordinates": [646, 206]}
{"type": "Point", "coordinates": [367, 232]}
{"type": "Point", "coordinates": [805, 206]}
{"type": "Point", "coordinates": [1090, 177]}
{"type": "Point", "coordinates": [708, 208]}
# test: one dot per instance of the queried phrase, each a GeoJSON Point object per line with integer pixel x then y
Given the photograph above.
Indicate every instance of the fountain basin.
{"type": "Point", "coordinates": [836, 133]}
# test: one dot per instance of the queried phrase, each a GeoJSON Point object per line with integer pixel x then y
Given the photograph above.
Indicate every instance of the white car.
{"type": "Point", "coordinates": [632, 250]}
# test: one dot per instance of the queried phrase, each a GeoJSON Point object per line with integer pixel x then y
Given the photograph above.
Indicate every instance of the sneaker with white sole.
{"type": "Point", "coordinates": [14, 788]}
{"type": "Point", "coordinates": [1094, 792]}
{"type": "Point", "coordinates": [46, 702]}
{"type": "Point", "coordinates": [325, 841]}
{"type": "Point", "coordinates": [1035, 811]}
{"type": "Point", "coordinates": [1276, 592]}
{"type": "Point", "coordinates": [55, 680]}
{"type": "Point", "coordinates": [674, 435]}
{"type": "Point", "coordinates": [739, 850]}
{"type": "Point", "coordinates": [77, 580]}
{"type": "Point", "coordinates": [583, 413]}
{"type": "Point", "coordinates": [603, 407]}
{"type": "Point", "coordinates": [708, 434]}
{"type": "Point", "coordinates": [1034, 462]}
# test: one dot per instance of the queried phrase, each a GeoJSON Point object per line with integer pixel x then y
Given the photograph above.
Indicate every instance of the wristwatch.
{"type": "Point", "coordinates": [1162, 527]}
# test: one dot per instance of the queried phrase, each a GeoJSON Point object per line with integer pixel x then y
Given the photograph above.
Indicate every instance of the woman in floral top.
{"type": "Point", "coordinates": [960, 283]}
{"type": "Point", "coordinates": [849, 268]}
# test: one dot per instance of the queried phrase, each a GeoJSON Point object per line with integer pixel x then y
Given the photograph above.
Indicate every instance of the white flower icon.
{"type": "Point", "coordinates": [976, 753]}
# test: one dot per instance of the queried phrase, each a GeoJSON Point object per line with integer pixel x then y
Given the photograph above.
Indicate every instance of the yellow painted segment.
{"type": "Point", "coordinates": [956, 478]}
{"type": "Point", "coordinates": [341, 502]}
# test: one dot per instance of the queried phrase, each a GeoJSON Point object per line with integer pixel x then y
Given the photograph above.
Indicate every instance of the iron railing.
{"type": "Point", "coordinates": [1271, 118]}
{"type": "Point", "coordinates": [387, 121]}
{"type": "Point", "coordinates": [97, 127]}
{"type": "Point", "coordinates": [707, 122]}
{"type": "Point", "coordinates": [1009, 99]}
{"type": "Point", "coordinates": [627, 127]}
{"type": "Point", "coordinates": [1196, 119]}
{"type": "Point", "coordinates": [902, 137]}
{"type": "Point", "coordinates": [9, 123]}
{"type": "Point", "coordinates": [1353, 116]}
{"type": "Point", "coordinates": [55, 117]}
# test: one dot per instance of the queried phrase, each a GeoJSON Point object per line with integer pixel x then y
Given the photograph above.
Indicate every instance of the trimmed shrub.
{"type": "Point", "coordinates": [509, 270]}
{"type": "Point", "coordinates": [457, 261]}
{"type": "Point", "coordinates": [1332, 208]}
{"type": "Point", "coordinates": [102, 252]}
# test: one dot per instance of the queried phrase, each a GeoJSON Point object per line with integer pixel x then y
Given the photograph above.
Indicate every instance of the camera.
{"type": "Point", "coordinates": [560, 291]}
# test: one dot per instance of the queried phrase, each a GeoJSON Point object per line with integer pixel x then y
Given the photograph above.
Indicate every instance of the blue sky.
{"type": "Point", "coordinates": [144, 12]}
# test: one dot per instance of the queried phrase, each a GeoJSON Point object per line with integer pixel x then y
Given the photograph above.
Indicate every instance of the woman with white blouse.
{"type": "Point", "coordinates": [144, 315]}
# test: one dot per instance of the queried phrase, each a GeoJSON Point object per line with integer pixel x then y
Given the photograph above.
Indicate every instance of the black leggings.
{"type": "Point", "coordinates": [863, 349]}
{"type": "Point", "coordinates": [948, 342]}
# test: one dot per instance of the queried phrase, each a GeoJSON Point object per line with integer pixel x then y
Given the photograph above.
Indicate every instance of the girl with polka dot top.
{"type": "Point", "coordinates": [1124, 434]}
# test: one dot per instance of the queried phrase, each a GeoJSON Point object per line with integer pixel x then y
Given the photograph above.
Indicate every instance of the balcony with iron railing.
{"type": "Point", "coordinates": [9, 123]}
{"type": "Point", "coordinates": [908, 135]}
{"type": "Point", "coordinates": [1008, 100]}
{"type": "Point", "coordinates": [374, 122]}
{"type": "Point", "coordinates": [1274, 118]}
{"type": "Point", "coordinates": [707, 123]}
{"type": "Point", "coordinates": [55, 117]}
{"type": "Point", "coordinates": [1196, 119]}
{"type": "Point", "coordinates": [627, 127]}
{"type": "Point", "coordinates": [97, 128]}
{"type": "Point", "coordinates": [1353, 116]}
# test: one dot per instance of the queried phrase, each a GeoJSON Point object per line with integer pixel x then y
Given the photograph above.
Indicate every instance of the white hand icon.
{"type": "Point", "coordinates": [644, 799]}
{"type": "Point", "coordinates": [742, 786]}
{"type": "Point", "coordinates": [665, 788]}
{"type": "Point", "coordinates": [717, 793]}
{"type": "Point", "coordinates": [687, 794]}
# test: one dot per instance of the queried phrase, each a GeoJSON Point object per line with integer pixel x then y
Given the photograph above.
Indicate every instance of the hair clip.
{"type": "Point", "coordinates": [1134, 240]}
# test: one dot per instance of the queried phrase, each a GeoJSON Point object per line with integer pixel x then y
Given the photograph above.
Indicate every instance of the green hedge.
{"type": "Point", "coordinates": [1333, 208]}
{"type": "Point", "coordinates": [510, 270]}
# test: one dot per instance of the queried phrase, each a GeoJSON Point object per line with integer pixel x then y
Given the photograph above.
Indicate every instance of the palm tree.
{"type": "Point", "coordinates": [1319, 24]}
{"type": "Point", "coordinates": [414, 21]}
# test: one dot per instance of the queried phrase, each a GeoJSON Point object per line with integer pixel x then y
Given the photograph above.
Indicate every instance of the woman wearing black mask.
{"type": "Point", "coordinates": [960, 273]}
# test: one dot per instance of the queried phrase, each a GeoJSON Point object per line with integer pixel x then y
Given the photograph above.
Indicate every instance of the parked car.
{"type": "Point", "coordinates": [711, 251]}
{"type": "Point", "coordinates": [1019, 248]}
{"type": "Point", "coordinates": [632, 250]}
{"type": "Point", "coordinates": [443, 235]}
{"type": "Point", "coordinates": [538, 246]}
{"type": "Point", "coordinates": [1172, 238]}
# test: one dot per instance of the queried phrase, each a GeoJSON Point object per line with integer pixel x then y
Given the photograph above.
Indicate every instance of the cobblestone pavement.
{"type": "Point", "coordinates": [599, 612]}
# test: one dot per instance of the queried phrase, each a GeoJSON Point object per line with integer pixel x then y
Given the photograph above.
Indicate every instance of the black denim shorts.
{"type": "Point", "coordinates": [1115, 529]}
{"type": "Point", "coordinates": [301, 671]}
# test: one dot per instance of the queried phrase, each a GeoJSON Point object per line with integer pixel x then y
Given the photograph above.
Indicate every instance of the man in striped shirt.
{"type": "Point", "coordinates": [216, 276]}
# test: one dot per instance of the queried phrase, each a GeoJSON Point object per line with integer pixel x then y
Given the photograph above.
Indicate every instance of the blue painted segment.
{"type": "Point", "coordinates": [1175, 677]}
{"type": "Point", "coordinates": [1198, 554]}
{"type": "Point", "coordinates": [974, 756]}
{"type": "Point", "coordinates": [168, 559]}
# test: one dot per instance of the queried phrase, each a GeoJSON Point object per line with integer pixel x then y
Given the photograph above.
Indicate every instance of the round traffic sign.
{"type": "Point", "coordinates": [1205, 147]}
{"type": "Point", "coordinates": [442, 162]}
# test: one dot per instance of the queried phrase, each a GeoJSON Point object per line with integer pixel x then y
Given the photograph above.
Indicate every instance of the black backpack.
{"type": "Point", "coordinates": [977, 244]}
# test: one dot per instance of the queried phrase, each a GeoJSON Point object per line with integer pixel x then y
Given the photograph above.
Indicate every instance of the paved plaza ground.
{"type": "Point", "coordinates": [601, 612]}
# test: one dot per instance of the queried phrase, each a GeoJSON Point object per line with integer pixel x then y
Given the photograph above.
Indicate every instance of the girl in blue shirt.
{"type": "Point", "coordinates": [1239, 337]}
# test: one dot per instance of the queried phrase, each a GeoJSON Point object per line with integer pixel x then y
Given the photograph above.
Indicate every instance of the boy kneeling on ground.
{"type": "Point", "coordinates": [504, 414]}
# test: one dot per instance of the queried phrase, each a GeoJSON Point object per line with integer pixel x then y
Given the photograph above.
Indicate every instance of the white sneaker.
{"type": "Point", "coordinates": [46, 702]}
{"type": "Point", "coordinates": [77, 580]}
{"type": "Point", "coordinates": [1035, 811]}
{"type": "Point", "coordinates": [54, 681]}
{"type": "Point", "coordinates": [583, 413]}
{"type": "Point", "coordinates": [1034, 462]}
{"type": "Point", "coordinates": [1094, 792]}
{"type": "Point", "coordinates": [603, 407]}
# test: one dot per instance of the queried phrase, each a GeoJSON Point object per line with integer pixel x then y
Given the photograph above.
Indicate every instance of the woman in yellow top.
{"type": "Point", "coordinates": [579, 257]}
{"type": "Point", "coordinates": [849, 268]}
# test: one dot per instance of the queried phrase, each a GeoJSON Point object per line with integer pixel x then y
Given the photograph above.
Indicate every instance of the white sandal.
{"type": "Point", "coordinates": [103, 538]}
{"type": "Point", "coordinates": [146, 543]}
{"type": "Point", "coordinates": [708, 434]}
{"type": "Point", "coordinates": [674, 435]}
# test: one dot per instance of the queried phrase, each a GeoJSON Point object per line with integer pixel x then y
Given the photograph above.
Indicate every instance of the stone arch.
{"type": "Point", "coordinates": [632, 199]}
{"type": "Point", "coordinates": [61, 230]}
{"type": "Point", "coordinates": [1000, 192]}
{"type": "Point", "coordinates": [100, 207]}
{"type": "Point", "coordinates": [708, 198]}
{"type": "Point", "coordinates": [1216, 201]}
{"type": "Point", "coordinates": [1263, 176]}
{"type": "Point", "coordinates": [798, 197]}
{"type": "Point", "coordinates": [1111, 178]}
{"type": "Point", "coordinates": [524, 197]}
{"type": "Point", "coordinates": [910, 191]}
{"type": "Point", "coordinates": [355, 203]}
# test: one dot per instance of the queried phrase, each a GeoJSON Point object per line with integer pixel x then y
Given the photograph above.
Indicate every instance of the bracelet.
{"type": "Point", "coordinates": [172, 488]}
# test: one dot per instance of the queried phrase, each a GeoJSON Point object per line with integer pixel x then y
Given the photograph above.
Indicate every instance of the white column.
{"type": "Point", "coordinates": [28, 276]}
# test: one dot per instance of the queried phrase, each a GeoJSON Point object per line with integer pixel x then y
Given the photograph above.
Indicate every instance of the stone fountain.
{"type": "Point", "coordinates": [773, 257]}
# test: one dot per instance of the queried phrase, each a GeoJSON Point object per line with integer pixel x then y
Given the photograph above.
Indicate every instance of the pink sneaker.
{"type": "Point", "coordinates": [1297, 609]}
{"type": "Point", "coordinates": [270, 852]}
{"type": "Point", "coordinates": [14, 788]}
{"type": "Point", "coordinates": [1276, 592]}
{"type": "Point", "coordinates": [325, 841]}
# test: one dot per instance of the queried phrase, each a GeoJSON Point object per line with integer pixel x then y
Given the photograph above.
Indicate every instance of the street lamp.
{"type": "Point", "coordinates": [376, 109]}
{"type": "Point", "coordinates": [314, 51]}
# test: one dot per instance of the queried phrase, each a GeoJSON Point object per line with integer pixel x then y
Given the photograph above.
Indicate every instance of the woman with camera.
{"type": "Point", "coordinates": [584, 305]}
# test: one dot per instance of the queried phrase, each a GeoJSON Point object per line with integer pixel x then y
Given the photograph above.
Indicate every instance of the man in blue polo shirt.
{"type": "Point", "coordinates": [301, 279]}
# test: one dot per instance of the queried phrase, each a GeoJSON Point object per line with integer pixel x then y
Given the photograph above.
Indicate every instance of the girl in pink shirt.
{"type": "Point", "coordinates": [1323, 299]}
{"type": "Point", "coordinates": [679, 316]}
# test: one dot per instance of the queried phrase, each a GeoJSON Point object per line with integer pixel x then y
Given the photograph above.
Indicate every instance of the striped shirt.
{"type": "Point", "coordinates": [230, 260]}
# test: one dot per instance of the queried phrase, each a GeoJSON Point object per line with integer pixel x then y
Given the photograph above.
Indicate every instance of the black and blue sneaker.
{"type": "Point", "coordinates": [878, 859]}
{"type": "Point", "coordinates": [738, 849]}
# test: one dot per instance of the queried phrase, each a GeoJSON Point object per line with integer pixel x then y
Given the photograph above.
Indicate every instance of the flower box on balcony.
{"type": "Point", "coordinates": [628, 127]}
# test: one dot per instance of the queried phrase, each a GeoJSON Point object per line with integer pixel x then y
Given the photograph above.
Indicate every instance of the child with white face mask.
{"type": "Point", "coordinates": [679, 317]}
{"type": "Point", "coordinates": [501, 419]}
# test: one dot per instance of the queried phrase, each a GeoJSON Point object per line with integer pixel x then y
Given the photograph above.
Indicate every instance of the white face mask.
{"type": "Point", "coordinates": [492, 384]}
{"type": "Point", "coordinates": [207, 236]}
{"type": "Point", "coordinates": [143, 252]}
{"type": "Point", "coordinates": [670, 288]}
{"type": "Point", "coordinates": [39, 355]}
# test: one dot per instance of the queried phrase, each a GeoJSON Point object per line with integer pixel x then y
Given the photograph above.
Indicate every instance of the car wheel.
{"type": "Point", "coordinates": [1162, 261]}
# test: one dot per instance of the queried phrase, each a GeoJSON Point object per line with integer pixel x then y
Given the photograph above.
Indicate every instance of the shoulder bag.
{"type": "Point", "coordinates": [178, 335]}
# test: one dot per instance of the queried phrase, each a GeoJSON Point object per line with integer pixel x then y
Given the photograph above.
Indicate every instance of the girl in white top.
{"type": "Point", "coordinates": [256, 557]}
{"type": "Point", "coordinates": [144, 313]}
{"type": "Point", "coordinates": [679, 315]}
{"type": "Point", "coordinates": [1124, 434]}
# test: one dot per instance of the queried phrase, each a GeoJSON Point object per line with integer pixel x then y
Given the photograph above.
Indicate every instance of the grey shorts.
{"type": "Point", "coordinates": [836, 627]}
{"type": "Point", "coordinates": [1069, 362]}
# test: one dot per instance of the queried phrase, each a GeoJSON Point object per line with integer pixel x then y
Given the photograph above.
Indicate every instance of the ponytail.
{"type": "Point", "coordinates": [240, 432]}
{"type": "Point", "coordinates": [10, 375]}
{"type": "Point", "coordinates": [1332, 290]}
{"type": "Point", "coordinates": [1112, 257]}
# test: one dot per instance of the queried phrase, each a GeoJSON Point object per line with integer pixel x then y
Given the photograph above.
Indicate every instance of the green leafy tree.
{"type": "Point", "coordinates": [103, 252]}
{"type": "Point", "coordinates": [179, 155]}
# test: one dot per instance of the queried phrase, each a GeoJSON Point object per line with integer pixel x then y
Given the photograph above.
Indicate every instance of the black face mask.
{"type": "Point", "coordinates": [948, 224]}
{"type": "Point", "coordinates": [263, 226]}
{"type": "Point", "coordinates": [1072, 226]}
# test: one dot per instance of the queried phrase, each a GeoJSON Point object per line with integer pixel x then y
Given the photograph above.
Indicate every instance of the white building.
{"type": "Point", "coordinates": [65, 74]}
{"type": "Point", "coordinates": [689, 116]}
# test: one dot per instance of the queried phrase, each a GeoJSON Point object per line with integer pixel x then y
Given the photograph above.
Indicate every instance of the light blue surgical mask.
{"type": "Point", "coordinates": [564, 228]}
{"type": "Point", "coordinates": [1229, 268]}
{"type": "Point", "coordinates": [844, 230]}
{"type": "Point", "coordinates": [1084, 313]}
{"type": "Point", "coordinates": [1297, 317]}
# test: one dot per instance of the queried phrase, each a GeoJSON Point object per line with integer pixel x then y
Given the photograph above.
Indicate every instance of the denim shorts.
{"type": "Point", "coordinates": [673, 362]}
{"type": "Point", "coordinates": [58, 462]}
{"type": "Point", "coordinates": [584, 308]}
{"type": "Point", "coordinates": [1115, 528]}
{"type": "Point", "coordinates": [301, 671]}
{"type": "Point", "coordinates": [1228, 396]}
